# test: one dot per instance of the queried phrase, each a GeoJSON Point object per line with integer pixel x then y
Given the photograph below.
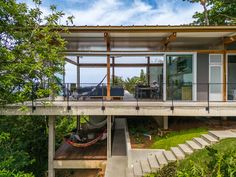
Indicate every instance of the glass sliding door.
{"type": "Point", "coordinates": [179, 77]}
{"type": "Point", "coordinates": [216, 77]}
{"type": "Point", "coordinates": [231, 83]}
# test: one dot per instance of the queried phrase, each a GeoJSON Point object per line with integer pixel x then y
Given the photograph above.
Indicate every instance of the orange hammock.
{"type": "Point", "coordinates": [84, 145]}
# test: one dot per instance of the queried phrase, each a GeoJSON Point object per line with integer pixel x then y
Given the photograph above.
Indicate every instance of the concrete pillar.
{"type": "Point", "coordinates": [108, 136]}
{"type": "Point", "coordinates": [51, 145]}
{"type": "Point", "coordinates": [224, 118]}
{"type": "Point", "coordinates": [162, 121]}
{"type": "Point", "coordinates": [165, 122]}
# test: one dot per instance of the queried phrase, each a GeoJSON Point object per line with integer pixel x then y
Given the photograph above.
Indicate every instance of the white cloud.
{"type": "Point", "coordinates": [115, 12]}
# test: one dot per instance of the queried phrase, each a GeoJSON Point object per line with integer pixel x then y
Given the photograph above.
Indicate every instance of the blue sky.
{"type": "Point", "coordinates": [120, 12]}
{"type": "Point", "coordinates": [124, 12]}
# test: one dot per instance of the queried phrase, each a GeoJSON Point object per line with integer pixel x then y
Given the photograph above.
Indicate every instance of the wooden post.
{"type": "Point", "coordinates": [51, 145]}
{"type": "Point", "coordinates": [109, 136]}
{"type": "Point", "coordinates": [107, 38]}
{"type": "Point", "coordinates": [113, 70]}
{"type": "Point", "coordinates": [148, 70]}
{"type": "Point", "coordinates": [224, 77]}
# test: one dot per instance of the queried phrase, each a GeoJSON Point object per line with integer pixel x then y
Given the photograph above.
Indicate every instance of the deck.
{"type": "Point", "coordinates": [128, 108]}
{"type": "Point", "coordinates": [97, 151]}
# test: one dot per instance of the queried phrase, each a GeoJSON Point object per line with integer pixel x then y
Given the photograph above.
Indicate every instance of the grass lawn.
{"type": "Point", "coordinates": [174, 138]}
{"type": "Point", "coordinates": [201, 157]}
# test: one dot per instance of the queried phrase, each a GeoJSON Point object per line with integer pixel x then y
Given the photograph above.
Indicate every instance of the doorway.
{"type": "Point", "coordinates": [215, 77]}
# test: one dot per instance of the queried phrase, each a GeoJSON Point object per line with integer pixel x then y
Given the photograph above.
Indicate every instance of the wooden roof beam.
{"type": "Point", "coordinates": [229, 40]}
{"type": "Point", "coordinates": [71, 62]}
{"type": "Point", "coordinates": [168, 39]}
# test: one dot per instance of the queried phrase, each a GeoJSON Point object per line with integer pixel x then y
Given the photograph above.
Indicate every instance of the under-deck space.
{"type": "Point", "coordinates": [97, 151]}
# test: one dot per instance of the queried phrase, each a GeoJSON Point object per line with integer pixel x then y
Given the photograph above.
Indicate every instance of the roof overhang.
{"type": "Point", "coordinates": [147, 38]}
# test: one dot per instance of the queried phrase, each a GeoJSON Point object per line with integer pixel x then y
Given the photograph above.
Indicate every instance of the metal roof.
{"type": "Point", "coordinates": [146, 38]}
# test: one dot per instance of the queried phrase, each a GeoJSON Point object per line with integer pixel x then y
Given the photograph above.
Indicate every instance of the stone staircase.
{"type": "Point", "coordinates": [156, 160]}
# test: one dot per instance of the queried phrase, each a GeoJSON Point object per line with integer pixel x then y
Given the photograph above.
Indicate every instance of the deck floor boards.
{"type": "Point", "coordinates": [97, 151]}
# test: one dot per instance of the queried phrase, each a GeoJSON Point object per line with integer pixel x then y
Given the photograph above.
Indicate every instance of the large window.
{"type": "Point", "coordinates": [231, 77]}
{"type": "Point", "coordinates": [179, 77]}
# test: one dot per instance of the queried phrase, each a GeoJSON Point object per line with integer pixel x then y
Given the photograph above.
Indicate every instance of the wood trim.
{"type": "Point", "coordinates": [137, 53]}
{"type": "Point", "coordinates": [229, 40]}
{"type": "Point", "coordinates": [125, 65]}
{"type": "Point", "coordinates": [146, 29]}
{"type": "Point", "coordinates": [107, 39]}
{"type": "Point", "coordinates": [168, 39]}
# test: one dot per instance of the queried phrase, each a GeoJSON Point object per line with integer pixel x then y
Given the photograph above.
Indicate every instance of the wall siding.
{"type": "Point", "coordinates": [202, 76]}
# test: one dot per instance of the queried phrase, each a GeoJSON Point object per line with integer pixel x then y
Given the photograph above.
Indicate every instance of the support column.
{"type": "Point", "coordinates": [224, 118]}
{"type": "Point", "coordinates": [162, 121]}
{"type": "Point", "coordinates": [51, 145]}
{"type": "Point", "coordinates": [108, 136]}
{"type": "Point", "coordinates": [165, 122]}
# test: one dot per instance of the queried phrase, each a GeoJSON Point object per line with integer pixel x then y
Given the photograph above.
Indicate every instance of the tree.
{"type": "Point", "coordinates": [30, 51]}
{"type": "Point", "coordinates": [216, 12]}
{"type": "Point", "coordinates": [30, 55]}
{"type": "Point", "coordinates": [23, 144]}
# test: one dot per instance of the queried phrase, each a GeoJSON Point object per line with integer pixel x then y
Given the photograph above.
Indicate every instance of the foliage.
{"type": "Point", "coordinates": [64, 125]}
{"type": "Point", "coordinates": [168, 170]}
{"type": "Point", "coordinates": [30, 59]}
{"type": "Point", "coordinates": [174, 138]}
{"type": "Point", "coordinates": [130, 83]}
{"type": "Point", "coordinates": [23, 144]}
{"type": "Point", "coordinates": [6, 173]}
{"type": "Point", "coordinates": [194, 170]}
{"type": "Point", "coordinates": [216, 161]}
{"type": "Point", "coordinates": [219, 160]}
{"type": "Point", "coordinates": [30, 51]}
{"type": "Point", "coordinates": [219, 12]}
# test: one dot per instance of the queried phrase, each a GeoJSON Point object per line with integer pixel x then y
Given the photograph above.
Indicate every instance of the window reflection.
{"type": "Point", "coordinates": [179, 77]}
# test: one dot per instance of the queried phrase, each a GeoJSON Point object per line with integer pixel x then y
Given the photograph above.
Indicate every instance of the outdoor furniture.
{"type": "Point", "coordinates": [147, 92]}
{"type": "Point", "coordinates": [101, 91]}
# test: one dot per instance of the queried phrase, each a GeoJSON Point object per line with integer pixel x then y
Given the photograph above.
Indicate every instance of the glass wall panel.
{"type": "Point", "coordinates": [231, 77]}
{"type": "Point", "coordinates": [179, 77]}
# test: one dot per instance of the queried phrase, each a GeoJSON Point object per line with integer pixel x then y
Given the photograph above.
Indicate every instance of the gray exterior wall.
{"type": "Point", "coordinates": [231, 46]}
{"type": "Point", "coordinates": [202, 76]}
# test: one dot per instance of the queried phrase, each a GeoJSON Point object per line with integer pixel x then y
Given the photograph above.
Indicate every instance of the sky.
{"type": "Point", "coordinates": [119, 12]}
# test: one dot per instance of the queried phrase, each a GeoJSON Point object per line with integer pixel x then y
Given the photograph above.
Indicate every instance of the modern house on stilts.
{"type": "Point", "coordinates": [190, 72]}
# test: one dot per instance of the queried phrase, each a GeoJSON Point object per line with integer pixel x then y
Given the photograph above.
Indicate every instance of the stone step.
{"type": "Point", "coordinates": [209, 138]}
{"type": "Point", "coordinates": [154, 165]}
{"type": "Point", "coordinates": [185, 148]}
{"type": "Point", "coordinates": [169, 156]}
{"type": "Point", "coordinates": [129, 172]}
{"type": "Point", "coordinates": [178, 153]}
{"type": "Point", "coordinates": [145, 167]}
{"type": "Point", "coordinates": [201, 142]}
{"type": "Point", "coordinates": [193, 145]}
{"type": "Point", "coordinates": [137, 169]}
{"type": "Point", "coordinates": [161, 159]}
{"type": "Point", "coordinates": [222, 134]}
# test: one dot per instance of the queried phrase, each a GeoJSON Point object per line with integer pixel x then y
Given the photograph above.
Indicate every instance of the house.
{"type": "Point", "coordinates": [194, 67]}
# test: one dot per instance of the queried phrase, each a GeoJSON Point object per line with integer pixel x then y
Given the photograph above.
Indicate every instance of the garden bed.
{"type": "Point", "coordinates": [146, 133]}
